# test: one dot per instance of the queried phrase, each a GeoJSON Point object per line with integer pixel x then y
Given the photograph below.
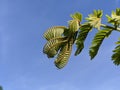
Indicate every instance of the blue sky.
{"type": "Point", "coordinates": [23, 66]}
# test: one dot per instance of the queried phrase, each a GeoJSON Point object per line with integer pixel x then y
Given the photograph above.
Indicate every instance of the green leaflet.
{"type": "Point", "coordinates": [52, 46]}
{"type": "Point", "coordinates": [77, 16]}
{"type": "Point", "coordinates": [74, 25]}
{"type": "Point", "coordinates": [94, 19]}
{"type": "Point", "coordinates": [118, 11]}
{"type": "Point", "coordinates": [114, 18]}
{"type": "Point", "coordinates": [118, 42]}
{"type": "Point", "coordinates": [84, 30]}
{"type": "Point", "coordinates": [116, 55]}
{"type": "Point", "coordinates": [55, 31]}
{"type": "Point", "coordinates": [64, 55]}
{"type": "Point", "coordinates": [97, 41]}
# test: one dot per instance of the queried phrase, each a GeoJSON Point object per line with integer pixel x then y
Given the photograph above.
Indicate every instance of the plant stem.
{"type": "Point", "coordinates": [114, 28]}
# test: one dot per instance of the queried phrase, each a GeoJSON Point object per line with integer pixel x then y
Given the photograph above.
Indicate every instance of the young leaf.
{"type": "Point", "coordinates": [118, 11]}
{"type": "Point", "coordinates": [64, 55]}
{"type": "Point", "coordinates": [55, 31]}
{"type": "Point", "coordinates": [84, 30]}
{"type": "Point", "coordinates": [116, 55]}
{"type": "Point", "coordinates": [94, 19]}
{"type": "Point", "coordinates": [77, 16]}
{"type": "Point", "coordinates": [52, 46]}
{"type": "Point", "coordinates": [74, 25]}
{"type": "Point", "coordinates": [114, 18]}
{"type": "Point", "coordinates": [97, 41]}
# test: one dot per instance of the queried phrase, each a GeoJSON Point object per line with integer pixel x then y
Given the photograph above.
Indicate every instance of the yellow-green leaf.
{"type": "Point", "coordinates": [77, 16]}
{"type": "Point", "coordinates": [52, 46]}
{"type": "Point", "coordinates": [64, 55]}
{"type": "Point", "coordinates": [115, 17]}
{"type": "Point", "coordinates": [74, 25]}
{"type": "Point", "coordinates": [94, 19]}
{"type": "Point", "coordinates": [55, 31]}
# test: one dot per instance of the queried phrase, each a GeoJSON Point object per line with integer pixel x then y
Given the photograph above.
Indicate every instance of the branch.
{"type": "Point", "coordinates": [110, 27]}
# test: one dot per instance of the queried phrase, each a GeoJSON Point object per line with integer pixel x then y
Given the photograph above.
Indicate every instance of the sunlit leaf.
{"type": "Point", "coordinates": [74, 25]}
{"type": "Point", "coordinates": [116, 55]}
{"type": "Point", "coordinates": [94, 19]}
{"type": "Point", "coordinates": [77, 16]}
{"type": "Point", "coordinates": [97, 41]}
{"type": "Point", "coordinates": [52, 46]}
{"type": "Point", "coordinates": [64, 55]}
{"type": "Point", "coordinates": [55, 31]}
{"type": "Point", "coordinates": [60, 38]}
{"type": "Point", "coordinates": [84, 30]}
{"type": "Point", "coordinates": [115, 17]}
{"type": "Point", "coordinates": [118, 42]}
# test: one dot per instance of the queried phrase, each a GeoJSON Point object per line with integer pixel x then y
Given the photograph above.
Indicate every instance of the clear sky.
{"type": "Point", "coordinates": [23, 66]}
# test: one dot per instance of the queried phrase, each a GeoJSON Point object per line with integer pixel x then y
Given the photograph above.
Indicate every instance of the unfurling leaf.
{"type": "Point", "coordinates": [84, 30]}
{"type": "Point", "coordinates": [74, 25]}
{"type": "Point", "coordinates": [55, 38]}
{"type": "Point", "coordinates": [77, 16]}
{"type": "Point", "coordinates": [52, 46]}
{"type": "Point", "coordinates": [55, 31]}
{"type": "Point", "coordinates": [64, 55]}
{"type": "Point", "coordinates": [97, 41]}
{"type": "Point", "coordinates": [94, 19]}
{"type": "Point", "coordinates": [116, 55]}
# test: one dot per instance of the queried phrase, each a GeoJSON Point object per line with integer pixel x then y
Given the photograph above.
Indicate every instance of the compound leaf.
{"type": "Point", "coordinates": [97, 41]}
{"type": "Point", "coordinates": [84, 30]}
{"type": "Point", "coordinates": [64, 55]}
{"type": "Point", "coordinates": [116, 55]}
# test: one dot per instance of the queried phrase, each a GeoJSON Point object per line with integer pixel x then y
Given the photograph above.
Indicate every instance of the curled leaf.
{"type": "Point", "coordinates": [52, 46]}
{"type": "Point", "coordinates": [64, 55]}
{"type": "Point", "coordinates": [74, 25]}
{"type": "Point", "coordinates": [55, 31]}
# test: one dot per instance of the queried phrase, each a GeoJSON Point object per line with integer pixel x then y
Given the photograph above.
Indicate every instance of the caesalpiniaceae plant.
{"type": "Point", "coordinates": [60, 39]}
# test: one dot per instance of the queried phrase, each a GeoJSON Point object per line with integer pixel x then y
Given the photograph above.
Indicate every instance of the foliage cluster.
{"type": "Point", "coordinates": [61, 38]}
